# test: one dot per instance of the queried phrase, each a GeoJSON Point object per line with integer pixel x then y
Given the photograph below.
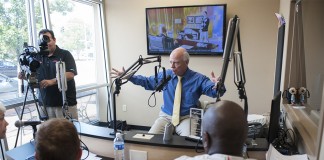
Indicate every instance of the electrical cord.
{"type": "Point", "coordinates": [286, 142]}
{"type": "Point", "coordinates": [197, 146]}
{"type": "Point", "coordinates": [148, 101]}
{"type": "Point", "coordinates": [83, 146]}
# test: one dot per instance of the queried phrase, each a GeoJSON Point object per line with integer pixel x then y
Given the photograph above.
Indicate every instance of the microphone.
{"type": "Point", "coordinates": [162, 84]}
{"type": "Point", "coordinates": [20, 123]}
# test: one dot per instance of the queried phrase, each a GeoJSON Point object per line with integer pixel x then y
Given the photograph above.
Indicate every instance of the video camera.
{"type": "Point", "coordinates": [28, 60]}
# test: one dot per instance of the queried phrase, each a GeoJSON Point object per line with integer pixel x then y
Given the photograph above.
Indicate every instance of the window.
{"type": "Point", "coordinates": [74, 31]}
{"type": "Point", "coordinates": [13, 34]}
{"type": "Point", "coordinates": [77, 26]}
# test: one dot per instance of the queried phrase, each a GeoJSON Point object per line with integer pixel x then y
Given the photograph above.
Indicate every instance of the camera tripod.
{"type": "Point", "coordinates": [31, 86]}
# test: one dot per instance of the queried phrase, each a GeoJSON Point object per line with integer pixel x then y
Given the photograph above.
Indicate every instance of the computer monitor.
{"type": "Point", "coordinates": [280, 46]}
{"type": "Point", "coordinates": [274, 117]}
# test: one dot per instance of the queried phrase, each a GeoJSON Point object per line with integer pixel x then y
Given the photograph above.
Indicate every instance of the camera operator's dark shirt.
{"type": "Point", "coordinates": [51, 96]}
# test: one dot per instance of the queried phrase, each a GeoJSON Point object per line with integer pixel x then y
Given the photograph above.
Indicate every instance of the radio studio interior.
{"type": "Point", "coordinates": [160, 80]}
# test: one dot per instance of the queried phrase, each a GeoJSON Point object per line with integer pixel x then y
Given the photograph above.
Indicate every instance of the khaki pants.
{"type": "Point", "coordinates": [57, 112]}
{"type": "Point", "coordinates": [183, 129]}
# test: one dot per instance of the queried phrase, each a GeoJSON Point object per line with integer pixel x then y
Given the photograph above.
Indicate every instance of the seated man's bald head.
{"type": "Point", "coordinates": [224, 128]}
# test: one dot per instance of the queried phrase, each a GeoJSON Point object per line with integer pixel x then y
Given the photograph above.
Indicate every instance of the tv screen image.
{"type": "Point", "coordinates": [199, 29]}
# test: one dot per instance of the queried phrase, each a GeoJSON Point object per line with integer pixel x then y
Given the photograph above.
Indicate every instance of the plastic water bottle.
{"type": "Point", "coordinates": [119, 147]}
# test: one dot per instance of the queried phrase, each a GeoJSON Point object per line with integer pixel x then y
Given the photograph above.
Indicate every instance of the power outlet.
{"type": "Point", "coordinates": [124, 108]}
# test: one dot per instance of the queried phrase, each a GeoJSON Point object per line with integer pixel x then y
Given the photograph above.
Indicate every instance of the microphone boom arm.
{"type": "Point", "coordinates": [137, 65]}
{"type": "Point", "coordinates": [118, 81]}
{"type": "Point", "coordinates": [233, 34]}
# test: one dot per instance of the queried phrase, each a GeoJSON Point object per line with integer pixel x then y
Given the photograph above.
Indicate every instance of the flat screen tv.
{"type": "Point", "coordinates": [200, 29]}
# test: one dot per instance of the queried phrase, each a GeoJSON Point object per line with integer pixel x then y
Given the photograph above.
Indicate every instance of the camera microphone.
{"type": "Point", "coordinates": [22, 87]}
{"type": "Point", "coordinates": [25, 45]}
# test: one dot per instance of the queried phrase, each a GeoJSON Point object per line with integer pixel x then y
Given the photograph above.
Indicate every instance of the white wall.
{"type": "Point", "coordinates": [127, 41]}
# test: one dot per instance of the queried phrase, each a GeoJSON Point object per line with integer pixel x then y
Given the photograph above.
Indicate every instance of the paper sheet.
{"type": "Point", "coordinates": [91, 156]}
{"type": "Point", "coordinates": [257, 118]}
{"type": "Point", "coordinates": [298, 107]}
{"type": "Point", "coordinates": [143, 136]}
{"type": "Point", "coordinates": [273, 154]}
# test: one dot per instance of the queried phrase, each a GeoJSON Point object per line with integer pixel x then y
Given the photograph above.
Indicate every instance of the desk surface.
{"type": "Point", "coordinates": [176, 142]}
{"type": "Point", "coordinates": [22, 152]}
{"type": "Point", "coordinates": [157, 139]}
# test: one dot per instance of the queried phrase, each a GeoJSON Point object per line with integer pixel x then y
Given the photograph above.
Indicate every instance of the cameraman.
{"type": "Point", "coordinates": [50, 96]}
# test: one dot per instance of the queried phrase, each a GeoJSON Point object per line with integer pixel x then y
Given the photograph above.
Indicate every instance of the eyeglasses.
{"type": "Point", "coordinates": [175, 63]}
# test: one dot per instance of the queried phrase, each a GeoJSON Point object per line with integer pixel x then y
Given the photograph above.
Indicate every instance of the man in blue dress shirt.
{"type": "Point", "coordinates": [193, 86]}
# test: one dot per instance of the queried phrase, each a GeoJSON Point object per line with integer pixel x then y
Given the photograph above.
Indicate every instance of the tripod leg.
{"type": "Point", "coordinates": [44, 108]}
{"type": "Point", "coordinates": [21, 115]}
{"type": "Point", "coordinates": [37, 108]}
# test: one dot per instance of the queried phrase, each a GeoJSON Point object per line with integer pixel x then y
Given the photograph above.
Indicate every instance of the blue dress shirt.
{"type": "Point", "coordinates": [194, 85]}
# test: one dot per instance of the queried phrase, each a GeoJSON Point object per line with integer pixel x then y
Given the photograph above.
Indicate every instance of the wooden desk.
{"type": "Point", "coordinates": [100, 142]}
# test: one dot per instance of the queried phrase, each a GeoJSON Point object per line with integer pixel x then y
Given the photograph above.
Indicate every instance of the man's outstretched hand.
{"type": "Point", "coordinates": [214, 79]}
{"type": "Point", "coordinates": [116, 73]}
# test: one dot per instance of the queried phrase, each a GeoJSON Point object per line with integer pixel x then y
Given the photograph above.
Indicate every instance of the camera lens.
{"type": "Point", "coordinates": [33, 64]}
